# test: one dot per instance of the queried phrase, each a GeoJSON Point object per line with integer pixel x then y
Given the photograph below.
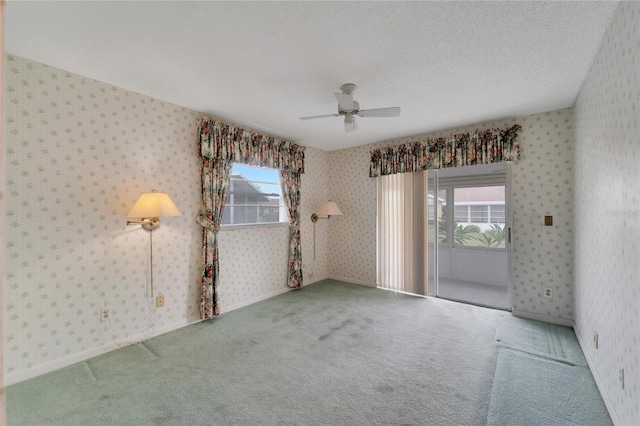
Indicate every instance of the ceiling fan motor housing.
{"type": "Point", "coordinates": [355, 110]}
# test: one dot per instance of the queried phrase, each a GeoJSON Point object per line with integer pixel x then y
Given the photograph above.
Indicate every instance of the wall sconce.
{"type": "Point", "coordinates": [328, 209]}
{"type": "Point", "coordinates": [150, 207]}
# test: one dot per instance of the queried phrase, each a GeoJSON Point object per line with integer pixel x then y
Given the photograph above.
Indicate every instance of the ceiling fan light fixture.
{"type": "Point", "coordinates": [348, 118]}
{"type": "Point", "coordinates": [350, 108]}
{"type": "Point", "coordinates": [350, 124]}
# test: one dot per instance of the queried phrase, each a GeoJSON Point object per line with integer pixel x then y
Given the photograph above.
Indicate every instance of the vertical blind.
{"type": "Point", "coordinates": [401, 232]}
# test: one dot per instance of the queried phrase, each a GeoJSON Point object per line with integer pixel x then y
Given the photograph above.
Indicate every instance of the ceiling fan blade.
{"type": "Point", "coordinates": [350, 124]}
{"type": "Point", "coordinates": [380, 112]}
{"type": "Point", "coordinates": [345, 101]}
{"type": "Point", "coordinates": [311, 117]}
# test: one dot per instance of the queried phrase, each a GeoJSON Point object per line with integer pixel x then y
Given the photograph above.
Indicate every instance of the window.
{"type": "Point", "coordinates": [478, 215]}
{"type": "Point", "coordinates": [254, 197]}
{"type": "Point", "coordinates": [461, 213]}
{"type": "Point", "coordinates": [497, 213]}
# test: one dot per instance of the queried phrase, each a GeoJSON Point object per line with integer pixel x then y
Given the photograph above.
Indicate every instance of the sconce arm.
{"type": "Point", "coordinates": [149, 224]}
{"type": "Point", "coordinates": [315, 217]}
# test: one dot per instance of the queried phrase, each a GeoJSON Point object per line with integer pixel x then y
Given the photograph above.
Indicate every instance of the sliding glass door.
{"type": "Point", "coordinates": [446, 233]}
{"type": "Point", "coordinates": [437, 203]}
{"type": "Point", "coordinates": [472, 254]}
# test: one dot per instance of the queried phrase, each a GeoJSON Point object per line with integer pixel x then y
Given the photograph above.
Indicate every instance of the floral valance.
{"type": "Point", "coordinates": [221, 140]}
{"type": "Point", "coordinates": [489, 146]}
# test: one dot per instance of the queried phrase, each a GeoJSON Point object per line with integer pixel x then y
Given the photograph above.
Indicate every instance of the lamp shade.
{"type": "Point", "coordinates": [329, 208]}
{"type": "Point", "coordinates": [153, 204]}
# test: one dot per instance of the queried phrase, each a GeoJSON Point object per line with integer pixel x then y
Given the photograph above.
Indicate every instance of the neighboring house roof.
{"type": "Point", "coordinates": [242, 186]}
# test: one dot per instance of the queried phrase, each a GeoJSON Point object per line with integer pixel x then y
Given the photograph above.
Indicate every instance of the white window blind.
{"type": "Point", "coordinates": [401, 232]}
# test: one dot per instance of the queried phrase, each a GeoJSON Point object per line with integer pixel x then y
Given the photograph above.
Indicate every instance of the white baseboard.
{"type": "Point", "coordinates": [313, 280]}
{"type": "Point", "coordinates": [353, 281]}
{"type": "Point", "coordinates": [543, 318]}
{"type": "Point", "coordinates": [596, 376]}
{"type": "Point", "coordinates": [22, 375]}
{"type": "Point", "coordinates": [12, 378]}
{"type": "Point", "coordinates": [225, 309]}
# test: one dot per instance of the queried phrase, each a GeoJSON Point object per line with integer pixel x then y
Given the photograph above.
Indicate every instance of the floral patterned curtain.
{"type": "Point", "coordinates": [215, 176]}
{"type": "Point", "coordinates": [290, 182]}
{"type": "Point", "coordinates": [239, 145]}
{"type": "Point", "coordinates": [489, 146]}
{"type": "Point", "coordinates": [221, 145]}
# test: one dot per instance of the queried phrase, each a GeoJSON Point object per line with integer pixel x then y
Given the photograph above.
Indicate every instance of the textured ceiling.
{"type": "Point", "coordinates": [264, 64]}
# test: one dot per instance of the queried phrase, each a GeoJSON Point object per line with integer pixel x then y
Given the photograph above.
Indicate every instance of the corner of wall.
{"type": "Point", "coordinates": [607, 208]}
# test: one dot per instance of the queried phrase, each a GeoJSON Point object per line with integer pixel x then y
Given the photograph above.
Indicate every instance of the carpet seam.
{"type": "Point", "coordinates": [493, 375]}
{"type": "Point", "coordinates": [542, 356]}
{"type": "Point", "coordinates": [93, 373]}
{"type": "Point", "coordinates": [155, 355]}
{"type": "Point", "coordinates": [550, 346]}
{"type": "Point", "coordinates": [556, 351]}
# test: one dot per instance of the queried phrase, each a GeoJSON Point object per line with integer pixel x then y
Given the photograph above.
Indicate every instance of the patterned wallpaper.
{"type": "Point", "coordinates": [314, 192]}
{"type": "Point", "coordinates": [542, 183]}
{"type": "Point", "coordinates": [607, 203]}
{"type": "Point", "coordinates": [353, 236]}
{"type": "Point", "coordinates": [77, 155]}
{"type": "Point", "coordinates": [253, 261]}
{"type": "Point", "coordinates": [241, 250]}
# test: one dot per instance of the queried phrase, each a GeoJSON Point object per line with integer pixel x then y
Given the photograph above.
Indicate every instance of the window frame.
{"type": "Point", "coordinates": [230, 205]}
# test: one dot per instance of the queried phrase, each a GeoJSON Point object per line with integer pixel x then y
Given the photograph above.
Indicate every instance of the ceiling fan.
{"type": "Point", "coordinates": [350, 108]}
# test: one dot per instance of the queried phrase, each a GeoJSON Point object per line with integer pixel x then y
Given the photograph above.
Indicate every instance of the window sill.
{"type": "Point", "coordinates": [254, 225]}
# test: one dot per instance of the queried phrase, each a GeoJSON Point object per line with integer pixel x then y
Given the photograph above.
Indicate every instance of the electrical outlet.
{"type": "Point", "coordinates": [595, 339]}
{"type": "Point", "coordinates": [105, 315]}
{"type": "Point", "coordinates": [547, 292]}
{"type": "Point", "coordinates": [160, 301]}
{"type": "Point", "coordinates": [548, 221]}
